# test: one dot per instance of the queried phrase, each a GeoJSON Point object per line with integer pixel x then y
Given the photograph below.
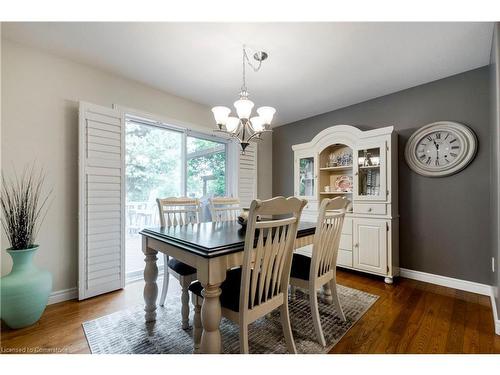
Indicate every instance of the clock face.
{"type": "Point", "coordinates": [440, 149]}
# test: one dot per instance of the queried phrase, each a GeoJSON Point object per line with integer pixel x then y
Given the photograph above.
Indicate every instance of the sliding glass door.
{"type": "Point", "coordinates": [162, 162]}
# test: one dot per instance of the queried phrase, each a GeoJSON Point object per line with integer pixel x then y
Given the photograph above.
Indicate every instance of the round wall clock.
{"type": "Point", "coordinates": [440, 149]}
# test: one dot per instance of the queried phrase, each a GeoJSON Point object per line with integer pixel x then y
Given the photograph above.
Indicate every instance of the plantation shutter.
{"type": "Point", "coordinates": [101, 258]}
{"type": "Point", "coordinates": [247, 175]}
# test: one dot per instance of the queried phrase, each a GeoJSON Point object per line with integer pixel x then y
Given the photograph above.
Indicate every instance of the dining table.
{"type": "Point", "coordinates": [212, 248]}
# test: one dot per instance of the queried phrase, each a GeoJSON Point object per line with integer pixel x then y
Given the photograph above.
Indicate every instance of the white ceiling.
{"type": "Point", "coordinates": [313, 67]}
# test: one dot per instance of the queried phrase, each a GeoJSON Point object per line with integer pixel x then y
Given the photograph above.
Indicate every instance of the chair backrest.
{"type": "Point", "coordinates": [178, 211]}
{"type": "Point", "coordinates": [224, 208]}
{"type": "Point", "coordinates": [327, 235]}
{"type": "Point", "coordinates": [268, 250]}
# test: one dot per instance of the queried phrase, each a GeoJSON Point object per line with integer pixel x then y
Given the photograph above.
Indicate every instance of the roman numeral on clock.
{"type": "Point", "coordinates": [428, 160]}
{"type": "Point", "coordinates": [453, 140]}
{"type": "Point", "coordinates": [453, 154]}
{"type": "Point", "coordinates": [436, 162]}
{"type": "Point", "coordinates": [455, 147]}
{"type": "Point", "coordinates": [438, 135]}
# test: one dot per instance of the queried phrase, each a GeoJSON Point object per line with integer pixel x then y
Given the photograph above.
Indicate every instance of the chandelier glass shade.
{"type": "Point", "coordinates": [244, 127]}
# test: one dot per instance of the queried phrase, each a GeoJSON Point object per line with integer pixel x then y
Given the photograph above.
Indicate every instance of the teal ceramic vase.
{"type": "Point", "coordinates": [24, 291]}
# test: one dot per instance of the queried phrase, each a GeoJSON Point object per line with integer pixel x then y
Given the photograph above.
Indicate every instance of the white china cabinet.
{"type": "Point", "coordinates": [345, 161]}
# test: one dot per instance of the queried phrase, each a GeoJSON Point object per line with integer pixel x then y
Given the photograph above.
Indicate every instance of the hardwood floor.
{"type": "Point", "coordinates": [409, 317]}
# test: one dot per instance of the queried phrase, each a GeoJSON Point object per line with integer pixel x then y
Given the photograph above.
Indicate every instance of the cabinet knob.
{"type": "Point", "coordinates": [356, 245]}
{"type": "Point", "coordinates": [370, 209]}
{"type": "Point", "coordinates": [356, 173]}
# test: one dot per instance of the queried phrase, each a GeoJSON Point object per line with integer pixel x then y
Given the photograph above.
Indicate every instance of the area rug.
{"type": "Point", "coordinates": [125, 332]}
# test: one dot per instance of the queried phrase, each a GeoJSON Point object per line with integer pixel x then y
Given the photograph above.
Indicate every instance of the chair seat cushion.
{"type": "Point", "coordinates": [181, 268]}
{"type": "Point", "coordinates": [230, 296]}
{"type": "Point", "coordinates": [301, 265]}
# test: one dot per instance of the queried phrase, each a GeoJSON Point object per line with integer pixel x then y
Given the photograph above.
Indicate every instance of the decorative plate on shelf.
{"type": "Point", "coordinates": [441, 149]}
{"type": "Point", "coordinates": [343, 183]}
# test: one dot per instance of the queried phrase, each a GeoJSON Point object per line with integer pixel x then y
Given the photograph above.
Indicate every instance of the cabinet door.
{"type": "Point", "coordinates": [370, 177]}
{"type": "Point", "coordinates": [370, 245]}
{"type": "Point", "coordinates": [305, 176]}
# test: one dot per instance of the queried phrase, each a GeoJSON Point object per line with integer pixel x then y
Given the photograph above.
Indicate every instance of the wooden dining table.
{"type": "Point", "coordinates": [213, 249]}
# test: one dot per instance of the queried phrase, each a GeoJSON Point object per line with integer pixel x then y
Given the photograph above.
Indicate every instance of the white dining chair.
{"type": "Point", "coordinates": [315, 265]}
{"type": "Point", "coordinates": [261, 284]}
{"type": "Point", "coordinates": [224, 208]}
{"type": "Point", "coordinates": [178, 211]}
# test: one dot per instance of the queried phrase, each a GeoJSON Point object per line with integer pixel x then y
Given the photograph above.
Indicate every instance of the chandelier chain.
{"type": "Point", "coordinates": [248, 61]}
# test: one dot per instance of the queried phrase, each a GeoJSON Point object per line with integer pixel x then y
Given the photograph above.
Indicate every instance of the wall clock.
{"type": "Point", "coordinates": [441, 149]}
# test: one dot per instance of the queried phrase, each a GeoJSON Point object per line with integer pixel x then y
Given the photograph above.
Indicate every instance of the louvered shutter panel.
{"type": "Point", "coordinates": [101, 201]}
{"type": "Point", "coordinates": [247, 175]}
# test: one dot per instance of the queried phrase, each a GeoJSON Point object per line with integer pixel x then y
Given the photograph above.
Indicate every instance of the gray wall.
{"type": "Point", "coordinates": [444, 222]}
{"type": "Point", "coordinates": [495, 151]}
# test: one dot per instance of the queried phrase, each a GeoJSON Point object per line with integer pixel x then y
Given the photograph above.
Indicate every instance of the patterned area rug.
{"type": "Point", "coordinates": [124, 332]}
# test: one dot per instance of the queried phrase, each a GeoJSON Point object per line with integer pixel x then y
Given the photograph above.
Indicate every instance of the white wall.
{"type": "Point", "coordinates": [40, 122]}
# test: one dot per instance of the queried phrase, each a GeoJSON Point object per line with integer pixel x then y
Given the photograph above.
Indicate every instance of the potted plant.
{"type": "Point", "coordinates": [25, 290]}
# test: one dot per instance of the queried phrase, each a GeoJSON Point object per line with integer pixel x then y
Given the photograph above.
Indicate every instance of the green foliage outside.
{"type": "Point", "coordinates": [153, 163]}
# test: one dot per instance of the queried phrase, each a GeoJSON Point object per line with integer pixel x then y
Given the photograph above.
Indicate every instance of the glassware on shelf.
{"type": "Point", "coordinates": [369, 172]}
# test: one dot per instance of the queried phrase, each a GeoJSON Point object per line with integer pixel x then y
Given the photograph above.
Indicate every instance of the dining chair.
{"type": "Point", "coordinates": [260, 285]}
{"type": "Point", "coordinates": [224, 208]}
{"type": "Point", "coordinates": [315, 265]}
{"type": "Point", "coordinates": [173, 212]}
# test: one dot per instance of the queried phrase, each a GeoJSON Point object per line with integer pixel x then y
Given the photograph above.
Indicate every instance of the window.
{"type": "Point", "coordinates": [163, 161]}
{"type": "Point", "coordinates": [206, 168]}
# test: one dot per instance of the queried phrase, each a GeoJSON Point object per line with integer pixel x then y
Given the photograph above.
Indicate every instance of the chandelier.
{"type": "Point", "coordinates": [245, 128]}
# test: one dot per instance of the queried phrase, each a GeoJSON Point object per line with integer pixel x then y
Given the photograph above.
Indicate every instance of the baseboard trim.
{"type": "Point", "coordinates": [450, 282]}
{"type": "Point", "coordinates": [63, 295]}
{"type": "Point", "coordinates": [496, 317]}
{"type": "Point", "coordinates": [72, 293]}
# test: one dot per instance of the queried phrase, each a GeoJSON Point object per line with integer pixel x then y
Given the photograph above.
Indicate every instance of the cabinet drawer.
{"type": "Point", "coordinates": [346, 242]}
{"type": "Point", "coordinates": [370, 208]}
{"type": "Point", "coordinates": [344, 258]}
{"type": "Point", "coordinates": [347, 227]}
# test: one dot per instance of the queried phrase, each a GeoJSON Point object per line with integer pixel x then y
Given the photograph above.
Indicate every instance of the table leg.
{"type": "Point", "coordinates": [150, 286]}
{"type": "Point", "coordinates": [210, 319]}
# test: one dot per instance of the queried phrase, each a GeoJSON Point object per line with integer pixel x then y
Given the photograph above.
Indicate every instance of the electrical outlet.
{"type": "Point", "coordinates": [493, 264]}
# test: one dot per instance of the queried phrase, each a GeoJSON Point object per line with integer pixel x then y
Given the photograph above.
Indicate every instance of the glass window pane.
{"type": "Point", "coordinates": [306, 176]}
{"type": "Point", "coordinates": [369, 172]}
{"type": "Point", "coordinates": [153, 170]}
{"type": "Point", "coordinates": [206, 168]}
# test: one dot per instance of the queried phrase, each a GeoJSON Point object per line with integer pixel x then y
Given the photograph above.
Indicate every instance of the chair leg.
{"type": "Point", "coordinates": [287, 328]}
{"type": "Point", "coordinates": [166, 276]}
{"type": "Point", "coordinates": [185, 302]}
{"type": "Point", "coordinates": [243, 338]}
{"type": "Point", "coordinates": [313, 301]}
{"type": "Point", "coordinates": [197, 327]}
{"type": "Point", "coordinates": [336, 300]}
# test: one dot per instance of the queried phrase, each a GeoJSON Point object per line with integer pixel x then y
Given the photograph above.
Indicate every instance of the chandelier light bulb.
{"type": "Point", "coordinates": [221, 114]}
{"type": "Point", "coordinates": [257, 123]}
{"type": "Point", "coordinates": [243, 108]}
{"type": "Point", "coordinates": [267, 114]}
{"type": "Point", "coordinates": [232, 123]}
